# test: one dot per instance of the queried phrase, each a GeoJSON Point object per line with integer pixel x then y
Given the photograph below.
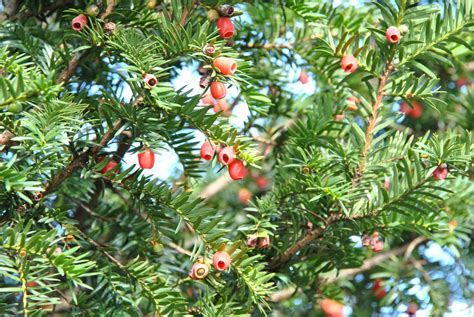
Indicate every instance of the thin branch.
{"type": "Point", "coordinates": [108, 9]}
{"type": "Point", "coordinates": [80, 160]}
{"type": "Point", "coordinates": [369, 132]}
{"type": "Point", "coordinates": [301, 243]}
{"type": "Point", "coordinates": [67, 73]}
{"type": "Point", "coordinates": [347, 273]}
{"type": "Point", "coordinates": [376, 260]}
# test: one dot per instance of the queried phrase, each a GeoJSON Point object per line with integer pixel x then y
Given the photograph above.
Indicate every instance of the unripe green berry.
{"type": "Point", "coordinates": [151, 4]}
{"type": "Point", "coordinates": [92, 10]}
{"type": "Point", "coordinates": [403, 29]}
{"type": "Point", "coordinates": [15, 107]}
{"type": "Point", "coordinates": [212, 15]}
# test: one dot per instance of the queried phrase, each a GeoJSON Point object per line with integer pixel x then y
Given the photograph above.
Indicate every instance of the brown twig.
{"type": "Point", "coordinates": [67, 73]}
{"type": "Point", "coordinates": [108, 10]}
{"type": "Point", "coordinates": [298, 245]}
{"type": "Point", "coordinates": [369, 132]}
{"type": "Point", "coordinates": [80, 160]}
{"type": "Point", "coordinates": [347, 273]}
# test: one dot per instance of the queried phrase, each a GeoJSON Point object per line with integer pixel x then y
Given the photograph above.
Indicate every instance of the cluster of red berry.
{"type": "Point", "coordinates": [221, 262]}
{"type": "Point", "coordinates": [227, 157]}
{"type": "Point", "coordinates": [262, 241]}
{"type": "Point", "coordinates": [146, 160]}
{"type": "Point", "coordinates": [375, 241]}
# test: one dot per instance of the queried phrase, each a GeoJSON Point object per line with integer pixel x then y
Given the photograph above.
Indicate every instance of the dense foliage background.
{"type": "Point", "coordinates": [358, 188]}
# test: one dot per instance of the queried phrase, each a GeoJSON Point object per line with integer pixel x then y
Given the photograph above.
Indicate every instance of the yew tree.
{"type": "Point", "coordinates": [318, 157]}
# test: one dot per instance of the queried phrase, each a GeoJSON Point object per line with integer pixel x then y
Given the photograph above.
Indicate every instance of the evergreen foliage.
{"type": "Point", "coordinates": [76, 240]}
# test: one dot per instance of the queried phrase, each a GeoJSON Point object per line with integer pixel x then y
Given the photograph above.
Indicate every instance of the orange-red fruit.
{"type": "Point", "coordinates": [339, 117]}
{"type": "Point", "coordinates": [208, 100]}
{"type": "Point", "coordinates": [261, 182]}
{"type": "Point", "coordinates": [110, 165]}
{"type": "Point", "coordinates": [303, 78]}
{"type": "Point", "coordinates": [79, 22]}
{"type": "Point", "coordinates": [414, 112]}
{"type": "Point", "coordinates": [221, 260]}
{"type": "Point", "coordinates": [349, 63]}
{"type": "Point", "coordinates": [352, 103]}
{"type": "Point", "coordinates": [365, 240]}
{"type": "Point", "coordinates": [207, 151]}
{"type": "Point", "coordinates": [252, 240]}
{"type": "Point", "coordinates": [377, 245]}
{"type": "Point", "coordinates": [146, 159]}
{"type": "Point", "coordinates": [150, 80]}
{"type": "Point", "coordinates": [225, 27]}
{"type": "Point", "coordinates": [332, 308]}
{"type": "Point", "coordinates": [441, 172]}
{"type": "Point", "coordinates": [386, 183]}
{"type": "Point", "coordinates": [378, 289]}
{"type": "Point", "coordinates": [264, 242]}
{"type": "Point", "coordinates": [237, 170]}
{"type": "Point", "coordinates": [392, 35]}
{"type": "Point", "coordinates": [223, 106]}
{"type": "Point", "coordinates": [452, 225]}
{"type": "Point", "coordinates": [218, 90]}
{"type": "Point", "coordinates": [411, 309]}
{"type": "Point", "coordinates": [199, 271]}
{"type": "Point", "coordinates": [244, 195]}
{"type": "Point", "coordinates": [461, 82]}
{"type": "Point", "coordinates": [226, 155]}
{"type": "Point", "coordinates": [225, 65]}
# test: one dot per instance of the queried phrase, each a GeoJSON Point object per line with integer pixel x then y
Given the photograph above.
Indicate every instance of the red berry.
{"type": "Point", "coordinates": [150, 80]}
{"type": "Point", "coordinates": [226, 155]}
{"type": "Point", "coordinates": [303, 78]}
{"type": "Point", "coordinates": [221, 260]}
{"type": "Point", "coordinates": [225, 65]}
{"type": "Point", "coordinates": [441, 172]}
{"type": "Point", "coordinates": [353, 99]}
{"type": "Point", "coordinates": [393, 35]}
{"type": "Point", "coordinates": [339, 117]}
{"type": "Point", "coordinates": [332, 308]}
{"type": "Point", "coordinates": [264, 242]}
{"type": "Point", "coordinates": [386, 183]}
{"type": "Point", "coordinates": [349, 63]}
{"type": "Point", "coordinates": [411, 309]}
{"type": "Point", "coordinates": [110, 165]}
{"type": "Point", "coordinates": [378, 289]}
{"type": "Point", "coordinates": [223, 106]}
{"type": "Point", "coordinates": [31, 284]}
{"type": "Point", "coordinates": [79, 22]}
{"type": "Point", "coordinates": [352, 103]}
{"type": "Point", "coordinates": [377, 246]}
{"type": "Point", "coordinates": [199, 271]}
{"type": "Point", "coordinates": [414, 112]}
{"type": "Point", "coordinates": [244, 195]}
{"type": "Point", "coordinates": [461, 82]}
{"type": "Point", "coordinates": [237, 170]}
{"type": "Point", "coordinates": [225, 27]}
{"type": "Point", "coordinates": [218, 90]}
{"type": "Point", "coordinates": [207, 151]}
{"type": "Point", "coordinates": [208, 100]}
{"type": "Point", "coordinates": [261, 182]}
{"type": "Point", "coordinates": [252, 240]}
{"type": "Point", "coordinates": [146, 159]}
{"type": "Point", "coordinates": [452, 225]}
